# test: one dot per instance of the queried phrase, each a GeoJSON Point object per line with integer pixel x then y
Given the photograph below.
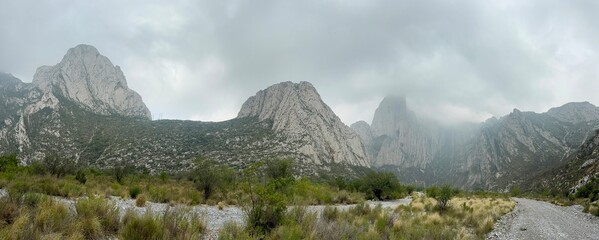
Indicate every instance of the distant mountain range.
{"type": "Point", "coordinates": [497, 154]}
{"type": "Point", "coordinates": [82, 108]}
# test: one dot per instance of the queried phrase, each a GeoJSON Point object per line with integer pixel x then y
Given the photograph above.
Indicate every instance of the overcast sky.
{"type": "Point", "coordinates": [453, 60]}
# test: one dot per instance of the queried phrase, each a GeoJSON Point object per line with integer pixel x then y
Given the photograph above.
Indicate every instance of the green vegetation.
{"type": "Point", "coordinates": [264, 191]}
{"type": "Point", "coordinates": [465, 218]}
{"type": "Point", "coordinates": [35, 216]}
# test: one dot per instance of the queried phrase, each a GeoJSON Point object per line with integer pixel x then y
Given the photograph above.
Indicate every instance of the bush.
{"type": "Point", "coordinates": [145, 227]}
{"type": "Point", "coordinates": [140, 201]}
{"type": "Point", "coordinates": [98, 217]}
{"type": "Point", "coordinates": [8, 162]}
{"type": "Point", "coordinates": [590, 190]}
{"type": "Point", "coordinates": [134, 191]}
{"type": "Point", "coordinates": [279, 168]}
{"type": "Point", "coordinates": [179, 225]}
{"type": "Point", "coordinates": [330, 213]}
{"type": "Point", "coordinates": [209, 176]}
{"type": "Point", "coordinates": [80, 177]}
{"type": "Point", "coordinates": [445, 194]}
{"type": "Point", "coordinates": [432, 192]}
{"type": "Point", "coordinates": [232, 231]}
{"type": "Point", "coordinates": [120, 172]}
{"type": "Point", "coordinates": [58, 166]}
{"type": "Point", "coordinates": [266, 205]}
{"type": "Point", "coordinates": [381, 185]}
{"type": "Point", "coordinates": [9, 211]}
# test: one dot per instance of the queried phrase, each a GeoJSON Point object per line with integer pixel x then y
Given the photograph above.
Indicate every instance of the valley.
{"type": "Point", "coordinates": [286, 167]}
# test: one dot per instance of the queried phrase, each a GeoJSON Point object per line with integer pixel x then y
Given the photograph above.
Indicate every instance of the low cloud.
{"type": "Point", "coordinates": [454, 60]}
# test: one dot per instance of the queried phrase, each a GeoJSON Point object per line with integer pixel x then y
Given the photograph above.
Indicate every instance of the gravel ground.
{"type": "Point", "coordinates": [533, 219]}
{"type": "Point", "coordinates": [214, 218]}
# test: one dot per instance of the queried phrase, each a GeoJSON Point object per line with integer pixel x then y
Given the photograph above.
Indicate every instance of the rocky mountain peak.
{"type": "Point", "coordinates": [297, 110]}
{"type": "Point", "coordinates": [88, 78]}
{"type": "Point", "coordinates": [7, 79]}
{"type": "Point", "coordinates": [390, 113]}
{"type": "Point", "coordinates": [575, 112]}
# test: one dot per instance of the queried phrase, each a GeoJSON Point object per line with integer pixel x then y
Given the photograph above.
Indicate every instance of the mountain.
{"type": "Point", "coordinates": [497, 154]}
{"type": "Point", "coordinates": [298, 112]}
{"type": "Point", "coordinates": [82, 109]}
{"type": "Point", "coordinates": [89, 79]}
{"type": "Point", "coordinates": [580, 167]}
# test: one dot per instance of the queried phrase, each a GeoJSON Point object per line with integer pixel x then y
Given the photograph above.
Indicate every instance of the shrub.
{"type": "Point", "coordinates": [120, 172]}
{"type": "Point", "coordinates": [209, 176]}
{"type": "Point", "coordinates": [134, 191]}
{"type": "Point", "coordinates": [80, 176]}
{"type": "Point", "coordinates": [330, 213]}
{"type": "Point", "coordinates": [179, 225]}
{"type": "Point", "coordinates": [432, 192]}
{"type": "Point", "coordinates": [140, 201]}
{"type": "Point", "coordinates": [8, 162]}
{"type": "Point", "coordinates": [58, 166]}
{"type": "Point", "coordinates": [232, 231]}
{"type": "Point", "coordinates": [97, 216]}
{"type": "Point", "coordinates": [51, 217]}
{"type": "Point", "coordinates": [279, 168]}
{"type": "Point", "coordinates": [145, 227]}
{"type": "Point", "coordinates": [445, 194]}
{"type": "Point", "coordinates": [9, 211]}
{"type": "Point", "coordinates": [381, 185]}
{"type": "Point", "coordinates": [266, 206]}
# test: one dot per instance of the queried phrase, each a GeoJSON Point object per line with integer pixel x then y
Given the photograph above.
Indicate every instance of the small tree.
{"type": "Point", "coordinates": [266, 205]}
{"type": "Point", "coordinates": [58, 166]}
{"type": "Point", "coordinates": [120, 172]}
{"type": "Point", "coordinates": [445, 194]}
{"type": "Point", "coordinates": [8, 162]}
{"type": "Point", "coordinates": [80, 176]}
{"type": "Point", "coordinates": [209, 175]}
{"type": "Point", "coordinates": [279, 168]}
{"type": "Point", "coordinates": [381, 184]}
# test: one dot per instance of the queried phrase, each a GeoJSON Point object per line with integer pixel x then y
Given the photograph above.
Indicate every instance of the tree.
{"type": "Point", "coordinates": [8, 162]}
{"type": "Point", "coordinates": [445, 194]}
{"type": "Point", "coordinates": [279, 168]}
{"type": "Point", "coordinates": [381, 184]}
{"type": "Point", "coordinates": [208, 175]}
{"type": "Point", "coordinates": [266, 206]}
{"type": "Point", "coordinates": [58, 166]}
{"type": "Point", "coordinates": [120, 172]}
{"type": "Point", "coordinates": [80, 176]}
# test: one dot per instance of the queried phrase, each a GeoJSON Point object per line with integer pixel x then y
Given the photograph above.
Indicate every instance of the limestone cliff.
{"type": "Point", "coordinates": [88, 78]}
{"type": "Point", "coordinates": [297, 110]}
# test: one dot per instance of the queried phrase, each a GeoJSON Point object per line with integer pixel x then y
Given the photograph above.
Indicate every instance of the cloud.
{"type": "Point", "coordinates": [454, 60]}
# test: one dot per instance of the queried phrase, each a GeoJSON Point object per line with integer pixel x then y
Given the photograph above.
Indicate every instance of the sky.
{"type": "Point", "coordinates": [454, 61]}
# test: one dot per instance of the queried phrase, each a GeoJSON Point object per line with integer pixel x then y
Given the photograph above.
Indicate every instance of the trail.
{"type": "Point", "coordinates": [533, 219]}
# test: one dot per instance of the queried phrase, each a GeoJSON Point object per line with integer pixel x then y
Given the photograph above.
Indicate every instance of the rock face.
{"type": "Point", "coordinates": [496, 154]}
{"type": "Point", "coordinates": [575, 112]}
{"type": "Point", "coordinates": [86, 77]}
{"type": "Point", "coordinates": [82, 109]}
{"type": "Point", "coordinates": [297, 111]}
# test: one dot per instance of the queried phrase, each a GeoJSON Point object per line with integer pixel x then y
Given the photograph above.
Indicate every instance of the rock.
{"type": "Point", "coordinates": [495, 154]}
{"type": "Point", "coordinates": [575, 112]}
{"type": "Point", "coordinates": [297, 110]}
{"type": "Point", "coordinates": [91, 80]}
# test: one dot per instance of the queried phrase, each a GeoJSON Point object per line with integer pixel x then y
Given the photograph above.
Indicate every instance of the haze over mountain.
{"type": "Point", "coordinates": [497, 154]}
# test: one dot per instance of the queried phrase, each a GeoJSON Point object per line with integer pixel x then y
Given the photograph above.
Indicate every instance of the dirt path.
{"type": "Point", "coordinates": [533, 219]}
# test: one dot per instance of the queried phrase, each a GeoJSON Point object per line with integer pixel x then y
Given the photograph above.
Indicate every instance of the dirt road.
{"type": "Point", "coordinates": [540, 220]}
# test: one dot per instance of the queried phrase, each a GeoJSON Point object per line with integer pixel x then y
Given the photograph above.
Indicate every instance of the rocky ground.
{"type": "Point", "coordinates": [214, 217]}
{"type": "Point", "coordinates": [533, 219]}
